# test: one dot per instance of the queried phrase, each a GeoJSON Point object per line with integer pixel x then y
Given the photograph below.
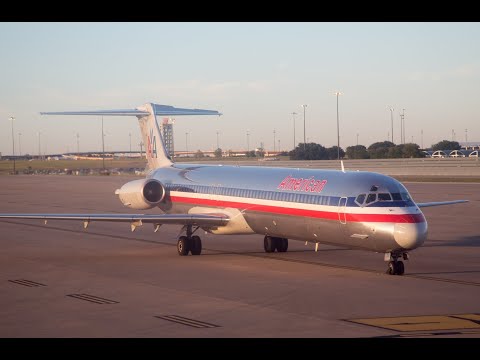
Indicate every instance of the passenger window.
{"type": "Point", "coordinates": [384, 197]}
{"type": "Point", "coordinates": [360, 199]}
{"type": "Point", "coordinates": [371, 198]}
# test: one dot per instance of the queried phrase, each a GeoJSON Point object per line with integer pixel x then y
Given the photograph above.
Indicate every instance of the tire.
{"type": "Point", "coordinates": [183, 246]}
{"type": "Point", "coordinates": [269, 244]}
{"type": "Point", "coordinates": [399, 268]}
{"type": "Point", "coordinates": [391, 268]}
{"type": "Point", "coordinates": [196, 248]}
{"type": "Point", "coordinates": [282, 244]}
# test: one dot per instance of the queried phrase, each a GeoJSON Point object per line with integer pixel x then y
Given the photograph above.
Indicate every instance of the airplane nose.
{"type": "Point", "coordinates": [410, 235]}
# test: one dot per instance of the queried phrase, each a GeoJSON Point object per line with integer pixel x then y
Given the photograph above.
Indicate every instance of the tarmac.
{"type": "Point", "coordinates": [60, 280]}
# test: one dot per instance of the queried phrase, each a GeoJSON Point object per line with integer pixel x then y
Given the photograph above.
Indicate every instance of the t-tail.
{"type": "Point", "coordinates": [155, 150]}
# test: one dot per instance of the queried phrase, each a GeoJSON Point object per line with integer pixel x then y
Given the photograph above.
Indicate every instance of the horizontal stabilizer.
{"type": "Point", "coordinates": [156, 153]}
{"type": "Point", "coordinates": [122, 112]}
{"type": "Point", "coordinates": [166, 110]}
{"type": "Point", "coordinates": [439, 203]}
{"type": "Point", "coordinates": [163, 110]}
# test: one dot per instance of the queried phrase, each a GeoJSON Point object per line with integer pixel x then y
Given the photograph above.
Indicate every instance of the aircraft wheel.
{"type": "Point", "coordinates": [391, 268]}
{"type": "Point", "coordinates": [282, 244]}
{"type": "Point", "coordinates": [196, 248]}
{"type": "Point", "coordinates": [269, 244]}
{"type": "Point", "coordinates": [399, 268]}
{"type": "Point", "coordinates": [183, 246]}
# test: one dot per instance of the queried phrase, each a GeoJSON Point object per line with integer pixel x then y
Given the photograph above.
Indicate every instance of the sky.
{"type": "Point", "coordinates": [257, 74]}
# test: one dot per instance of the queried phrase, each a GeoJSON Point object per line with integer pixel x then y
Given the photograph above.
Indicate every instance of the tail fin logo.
{"type": "Point", "coordinates": [151, 145]}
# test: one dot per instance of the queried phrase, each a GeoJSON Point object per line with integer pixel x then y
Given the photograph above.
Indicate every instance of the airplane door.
{"type": "Point", "coordinates": [342, 204]}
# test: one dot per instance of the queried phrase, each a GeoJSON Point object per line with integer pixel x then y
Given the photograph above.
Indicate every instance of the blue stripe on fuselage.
{"type": "Point", "coordinates": [294, 197]}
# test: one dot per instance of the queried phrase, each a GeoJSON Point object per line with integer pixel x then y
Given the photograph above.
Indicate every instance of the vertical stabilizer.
{"type": "Point", "coordinates": [155, 151]}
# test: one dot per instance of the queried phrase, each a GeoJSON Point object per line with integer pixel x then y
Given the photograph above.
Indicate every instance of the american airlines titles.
{"type": "Point", "coordinates": [307, 185]}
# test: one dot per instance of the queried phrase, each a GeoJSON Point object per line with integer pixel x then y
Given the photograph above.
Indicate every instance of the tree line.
{"type": "Point", "coordinates": [378, 150]}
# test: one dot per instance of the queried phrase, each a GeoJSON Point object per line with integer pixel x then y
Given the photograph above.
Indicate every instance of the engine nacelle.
{"type": "Point", "coordinates": [141, 194]}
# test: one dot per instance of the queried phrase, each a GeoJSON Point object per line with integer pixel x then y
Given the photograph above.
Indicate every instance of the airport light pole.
{"type": "Point", "coordinates": [39, 148]}
{"type": "Point", "coordinates": [466, 136]}
{"type": "Point", "coordinates": [248, 140]}
{"type": "Point", "coordinates": [19, 144]}
{"type": "Point", "coordinates": [294, 140]}
{"type": "Point", "coordinates": [78, 143]}
{"type": "Point", "coordinates": [401, 129]}
{"type": "Point", "coordinates": [273, 139]}
{"type": "Point", "coordinates": [304, 133]}
{"type": "Point", "coordinates": [391, 116]}
{"type": "Point", "coordinates": [130, 142]}
{"type": "Point", "coordinates": [103, 147]}
{"type": "Point", "coordinates": [186, 143]}
{"type": "Point", "coordinates": [357, 139]}
{"type": "Point", "coordinates": [218, 146]}
{"type": "Point", "coordinates": [12, 119]}
{"type": "Point", "coordinates": [421, 133]}
{"type": "Point", "coordinates": [338, 127]}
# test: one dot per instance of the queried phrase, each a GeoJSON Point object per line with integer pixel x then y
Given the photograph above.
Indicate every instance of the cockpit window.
{"type": "Point", "coordinates": [384, 197]}
{"type": "Point", "coordinates": [396, 196]}
{"type": "Point", "coordinates": [360, 199]}
{"type": "Point", "coordinates": [384, 193]}
{"type": "Point", "coordinates": [401, 196]}
{"type": "Point", "coordinates": [371, 198]}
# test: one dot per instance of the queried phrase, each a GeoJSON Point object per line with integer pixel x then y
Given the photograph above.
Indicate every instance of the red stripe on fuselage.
{"type": "Point", "coordinates": [328, 215]}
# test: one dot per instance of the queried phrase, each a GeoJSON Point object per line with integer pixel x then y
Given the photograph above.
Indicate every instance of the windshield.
{"type": "Point", "coordinates": [400, 194]}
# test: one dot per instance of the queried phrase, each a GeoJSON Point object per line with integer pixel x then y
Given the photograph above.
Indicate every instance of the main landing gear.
{"type": "Point", "coordinates": [395, 266]}
{"type": "Point", "coordinates": [271, 244]}
{"type": "Point", "coordinates": [189, 243]}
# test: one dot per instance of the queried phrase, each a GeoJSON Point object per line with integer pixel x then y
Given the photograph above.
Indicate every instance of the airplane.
{"type": "Point", "coordinates": [354, 209]}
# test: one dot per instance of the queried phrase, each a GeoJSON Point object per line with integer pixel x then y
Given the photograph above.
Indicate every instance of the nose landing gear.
{"type": "Point", "coordinates": [395, 266]}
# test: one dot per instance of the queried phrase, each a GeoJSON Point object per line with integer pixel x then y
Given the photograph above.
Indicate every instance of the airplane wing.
{"type": "Point", "coordinates": [135, 220]}
{"type": "Point", "coordinates": [439, 203]}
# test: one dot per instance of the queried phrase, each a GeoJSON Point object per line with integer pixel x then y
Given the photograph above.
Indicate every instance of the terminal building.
{"type": "Point", "coordinates": [451, 153]}
{"type": "Point", "coordinates": [468, 149]}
